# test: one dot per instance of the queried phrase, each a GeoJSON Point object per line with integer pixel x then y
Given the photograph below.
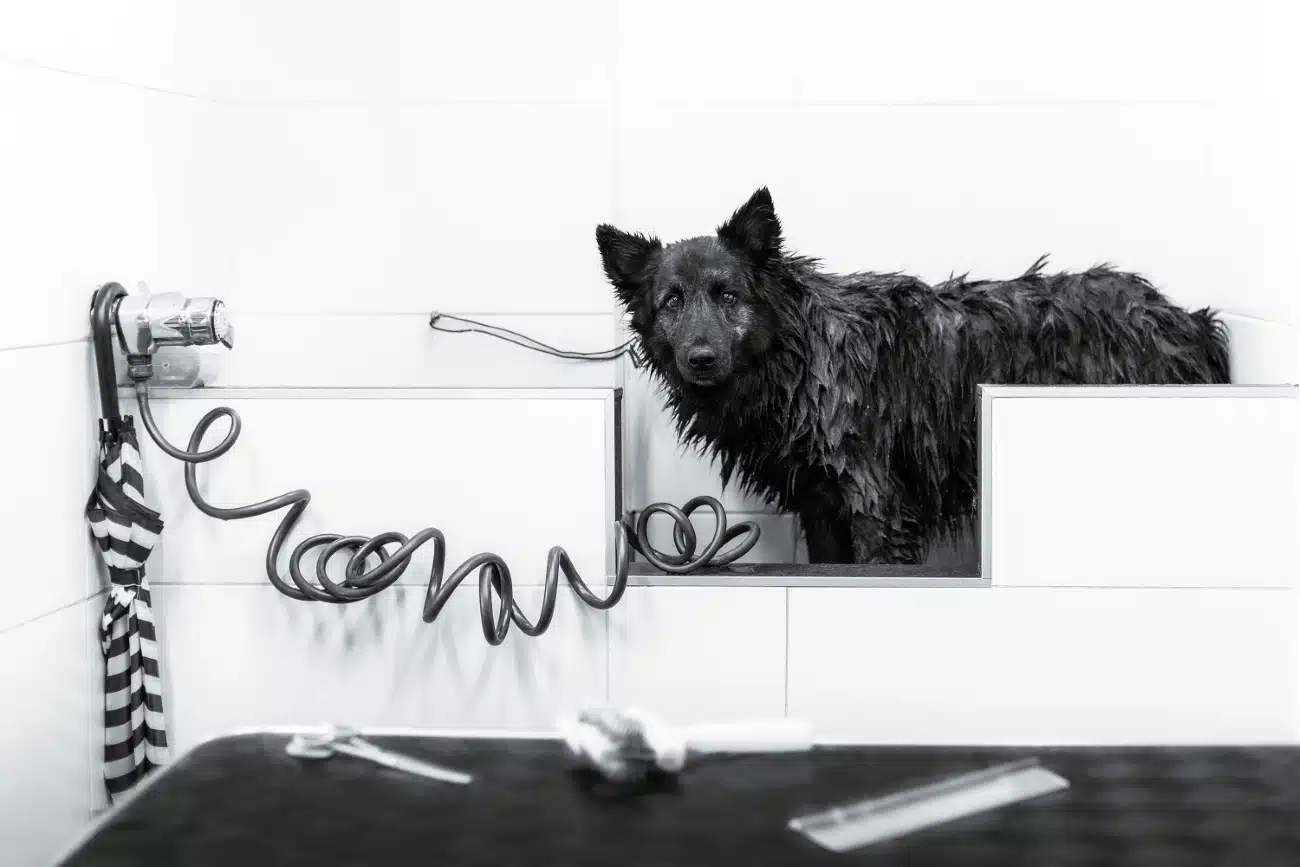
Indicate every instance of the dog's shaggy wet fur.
{"type": "Point", "coordinates": [851, 399]}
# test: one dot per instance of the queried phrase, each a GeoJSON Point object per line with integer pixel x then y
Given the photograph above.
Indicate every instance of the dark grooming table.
{"type": "Point", "coordinates": [242, 801]}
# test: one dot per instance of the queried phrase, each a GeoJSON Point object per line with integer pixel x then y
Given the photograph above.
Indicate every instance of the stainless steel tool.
{"type": "Point", "coordinates": [348, 741]}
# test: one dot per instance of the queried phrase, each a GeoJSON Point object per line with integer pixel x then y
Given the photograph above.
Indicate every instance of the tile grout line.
{"type": "Point", "coordinates": [18, 347]}
{"type": "Point", "coordinates": [487, 314]}
{"type": "Point", "coordinates": [786, 688]}
{"type": "Point", "coordinates": [91, 647]}
{"type": "Point", "coordinates": [1258, 320]}
{"type": "Point", "coordinates": [106, 79]}
{"type": "Point", "coordinates": [400, 102]}
{"type": "Point", "coordinates": [1002, 103]}
{"type": "Point", "coordinates": [791, 582]}
{"type": "Point", "coordinates": [609, 638]}
{"type": "Point", "coordinates": [95, 718]}
{"type": "Point", "coordinates": [795, 98]}
{"type": "Point", "coordinates": [616, 124]}
{"type": "Point", "coordinates": [53, 611]}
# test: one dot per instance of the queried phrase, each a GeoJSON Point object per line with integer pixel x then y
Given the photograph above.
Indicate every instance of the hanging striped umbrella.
{"type": "Point", "coordinates": [125, 528]}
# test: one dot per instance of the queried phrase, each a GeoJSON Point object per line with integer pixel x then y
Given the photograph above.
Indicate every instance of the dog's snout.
{"type": "Point", "coordinates": [701, 358]}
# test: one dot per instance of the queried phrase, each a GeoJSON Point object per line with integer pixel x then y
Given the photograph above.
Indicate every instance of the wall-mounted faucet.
{"type": "Point", "coordinates": [146, 321]}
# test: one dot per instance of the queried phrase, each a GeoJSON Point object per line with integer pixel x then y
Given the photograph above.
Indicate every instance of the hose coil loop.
{"type": "Point", "coordinates": [493, 572]}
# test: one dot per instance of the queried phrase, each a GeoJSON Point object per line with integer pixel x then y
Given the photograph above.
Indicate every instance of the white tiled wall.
{"type": "Point", "coordinates": [1004, 51]}
{"type": "Point", "coordinates": [297, 51]}
{"type": "Point", "coordinates": [700, 653]}
{"type": "Point", "coordinates": [336, 170]}
{"type": "Point", "coordinates": [504, 472]}
{"type": "Point", "coordinates": [142, 43]}
{"type": "Point", "coordinates": [51, 735]}
{"type": "Point", "coordinates": [988, 189]}
{"type": "Point", "coordinates": [238, 656]}
{"type": "Point", "coordinates": [90, 192]}
{"type": "Point", "coordinates": [50, 439]}
{"type": "Point", "coordinates": [91, 133]}
{"type": "Point", "coordinates": [1153, 489]}
{"type": "Point", "coordinates": [1044, 666]}
{"type": "Point", "coordinates": [404, 208]}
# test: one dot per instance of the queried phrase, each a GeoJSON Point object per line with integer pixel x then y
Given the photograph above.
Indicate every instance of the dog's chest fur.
{"type": "Point", "coordinates": [796, 429]}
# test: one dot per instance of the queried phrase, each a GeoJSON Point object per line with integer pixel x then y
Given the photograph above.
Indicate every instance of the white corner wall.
{"type": "Point", "coordinates": [93, 127]}
{"type": "Point", "coordinates": [1170, 486]}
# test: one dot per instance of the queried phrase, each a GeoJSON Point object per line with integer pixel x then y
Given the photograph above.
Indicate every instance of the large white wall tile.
{"type": "Point", "coordinates": [49, 735]}
{"type": "Point", "coordinates": [402, 49]}
{"type": "Point", "coordinates": [405, 209]}
{"type": "Point", "coordinates": [1173, 488]}
{"type": "Point", "coordinates": [722, 51]}
{"type": "Point", "coordinates": [699, 654]}
{"type": "Point", "coordinates": [50, 436]}
{"type": "Point", "coordinates": [683, 169]}
{"type": "Point", "coordinates": [1022, 50]}
{"type": "Point", "coordinates": [1258, 184]}
{"type": "Point", "coordinates": [92, 613]}
{"type": "Point", "coordinates": [247, 656]}
{"type": "Point", "coordinates": [987, 190]}
{"type": "Point", "coordinates": [512, 474]}
{"type": "Point", "coordinates": [86, 169]}
{"type": "Point", "coordinates": [1263, 352]}
{"type": "Point", "coordinates": [138, 42]}
{"type": "Point", "coordinates": [505, 50]}
{"type": "Point", "coordinates": [1044, 666]}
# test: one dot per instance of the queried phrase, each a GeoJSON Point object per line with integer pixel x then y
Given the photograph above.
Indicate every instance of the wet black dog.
{"type": "Point", "coordinates": [851, 399]}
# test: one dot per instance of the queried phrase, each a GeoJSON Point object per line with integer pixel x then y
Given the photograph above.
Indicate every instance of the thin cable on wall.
{"type": "Point", "coordinates": [500, 332]}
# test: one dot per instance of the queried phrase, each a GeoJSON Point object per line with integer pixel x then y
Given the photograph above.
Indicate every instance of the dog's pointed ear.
{"type": "Point", "coordinates": [625, 256]}
{"type": "Point", "coordinates": [754, 229]}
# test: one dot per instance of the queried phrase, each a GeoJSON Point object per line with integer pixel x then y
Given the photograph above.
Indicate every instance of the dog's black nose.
{"type": "Point", "coordinates": [701, 359]}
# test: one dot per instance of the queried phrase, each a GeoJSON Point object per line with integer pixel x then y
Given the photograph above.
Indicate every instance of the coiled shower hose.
{"type": "Point", "coordinates": [494, 573]}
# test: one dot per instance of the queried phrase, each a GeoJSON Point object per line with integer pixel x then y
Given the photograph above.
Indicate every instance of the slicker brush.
{"type": "Point", "coordinates": [627, 745]}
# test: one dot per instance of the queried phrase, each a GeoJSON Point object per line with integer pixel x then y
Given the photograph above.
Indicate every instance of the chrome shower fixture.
{"type": "Point", "coordinates": [146, 322]}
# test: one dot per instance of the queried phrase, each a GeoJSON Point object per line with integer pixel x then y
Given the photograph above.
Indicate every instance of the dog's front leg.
{"type": "Point", "coordinates": [887, 538]}
{"type": "Point", "coordinates": [829, 538]}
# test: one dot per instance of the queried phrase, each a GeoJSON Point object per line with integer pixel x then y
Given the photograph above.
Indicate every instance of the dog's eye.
{"type": "Point", "coordinates": [729, 297]}
{"type": "Point", "coordinates": [672, 302]}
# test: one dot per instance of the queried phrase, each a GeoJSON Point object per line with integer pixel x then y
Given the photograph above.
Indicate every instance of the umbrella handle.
{"type": "Point", "coordinates": [103, 309]}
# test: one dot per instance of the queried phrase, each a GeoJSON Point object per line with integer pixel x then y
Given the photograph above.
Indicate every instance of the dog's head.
{"type": "Point", "coordinates": [702, 306]}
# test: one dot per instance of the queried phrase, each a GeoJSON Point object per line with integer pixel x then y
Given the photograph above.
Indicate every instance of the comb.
{"type": "Point", "coordinates": [876, 820]}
